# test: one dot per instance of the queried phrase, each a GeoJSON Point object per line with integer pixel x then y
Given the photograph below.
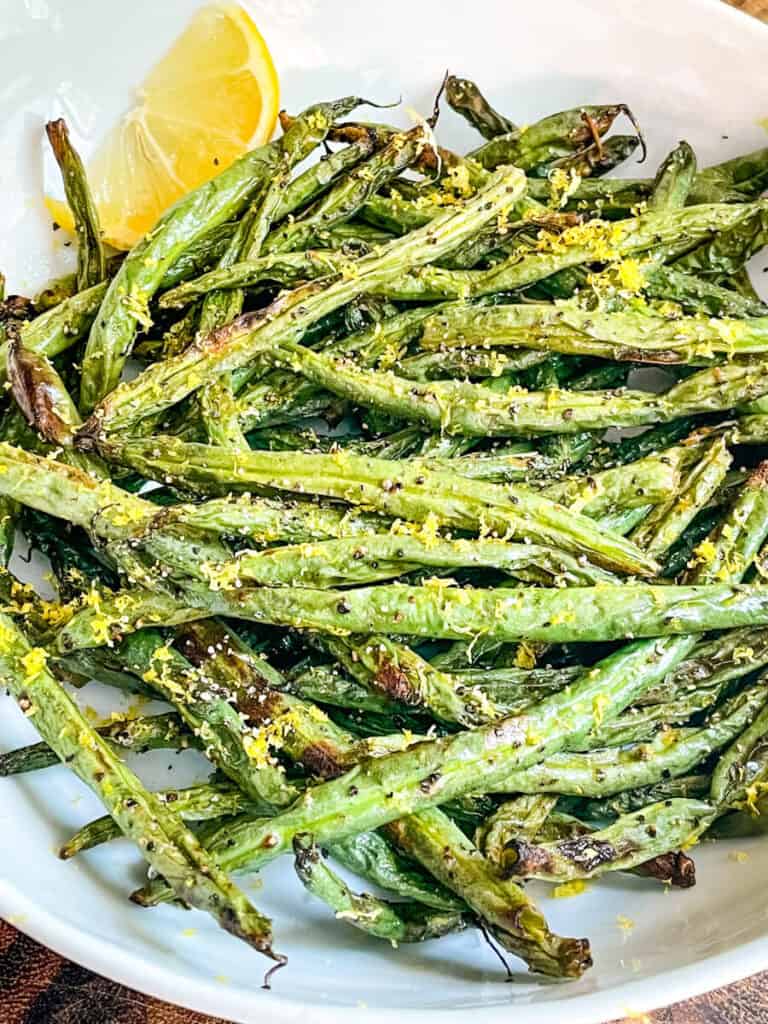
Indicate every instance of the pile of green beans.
{"type": "Point", "coordinates": [361, 521]}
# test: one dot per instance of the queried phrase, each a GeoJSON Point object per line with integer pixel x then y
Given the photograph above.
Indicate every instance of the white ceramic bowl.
{"type": "Point", "coordinates": [690, 69]}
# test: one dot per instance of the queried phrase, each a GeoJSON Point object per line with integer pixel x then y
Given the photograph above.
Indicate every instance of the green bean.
{"type": "Point", "coordinates": [216, 403]}
{"type": "Point", "coordinates": [202, 253]}
{"type": "Point", "coordinates": [474, 760]}
{"type": "Point", "coordinates": [674, 179]}
{"type": "Point", "coordinates": [300, 731]}
{"type": "Point", "coordinates": [742, 767]}
{"type": "Point", "coordinates": [326, 684]}
{"type": "Point", "coordinates": [570, 128]}
{"type": "Point", "coordinates": [638, 337]}
{"type": "Point", "coordinates": [42, 397]}
{"type": "Point", "coordinates": [599, 614]}
{"type": "Point", "coordinates": [640, 724]}
{"type": "Point", "coordinates": [318, 178]}
{"type": "Point", "coordinates": [466, 99]}
{"type": "Point", "coordinates": [596, 613]}
{"type": "Point", "coordinates": [359, 560]}
{"type": "Point", "coordinates": [370, 855]}
{"type": "Point", "coordinates": [513, 920]}
{"type": "Point", "coordinates": [395, 922]}
{"type": "Point", "coordinates": [352, 237]}
{"type": "Point", "coordinates": [386, 676]}
{"type": "Point", "coordinates": [468, 363]}
{"type": "Point", "coordinates": [285, 267]}
{"type": "Point", "coordinates": [537, 161]}
{"type": "Point", "coordinates": [91, 259]}
{"type": "Point", "coordinates": [611, 770]}
{"type": "Point", "coordinates": [59, 327]}
{"type": "Point", "coordinates": [398, 215]}
{"type": "Point", "coordinates": [208, 715]}
{"type": "Point", "coordinates": [377, 627]}
{"type": "Point", "coordinates": [734, 543]}
{"type": "Point", "coordinates": [278, 393]}
{"type": "Point", "coordinates": [10, 510]}
{"type": "Point", "coordinates": [669, 520]}
{"type": "Point", "coordinates": [693, 786]}
{"type": "Point", "coordinates": [597, 192]}
{"type": "Point", "coordinates": [220, 414]}
{"type": "Point", "coordinates": [595, 159]}
{"type": "Point", "coordinates": [264, 520]}
{"type": "Point", "coordinates": [507, 463]}
{"type": "Point", "coordinates": [521, 817]}
{"type": "Point", "coordinates": [121, 733]}
{"type": "Point", "coordinates": [728, 250]}
{"type": "Point", "coordinates": [713, 663]}
{"type": "Point", "coordinates": [624, 844]}
{"type": "Point", "coordinates": [218, 308]}
{"type": "Point", "coordinates": [649, 442]}
{"type": "Point", "coordinates": [752, 429]}
{"type": "Point", "coordinates": [495, 466]}
{"type": "Point", "coordinates": [699, 295]}
{"type": "Point", "coordinates": [735, 180]}
{"type": "Point", "coordinates": [198, 803]}
{"type": "Point", "coordinates": [471, 410]}
{"type": "Point", "coordinates": [41, 394]}
{"type": "Point", "coordinates": [522, 686]}
{"type": "Point", "coordinates": [648, 480]}
{"type": "Point", "coordinates": [403, 676]}
{"type": "Point", "coordinates": [669, 234]}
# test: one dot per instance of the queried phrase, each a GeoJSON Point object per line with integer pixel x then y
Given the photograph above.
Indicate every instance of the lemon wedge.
{"type": "Point", "coordinates": [213, 96]}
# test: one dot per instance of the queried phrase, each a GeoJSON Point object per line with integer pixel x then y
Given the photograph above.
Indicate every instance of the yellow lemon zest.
{"type": "Point", "coordinates": [34, 662]}
{"type": "Point", "coordinates": [567, 889]}
{"type": "Point", "coordinates": [525, 655]}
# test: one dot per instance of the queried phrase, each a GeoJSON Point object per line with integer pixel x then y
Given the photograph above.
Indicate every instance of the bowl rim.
{"type": "Point", "coordinates": [237, 1003]}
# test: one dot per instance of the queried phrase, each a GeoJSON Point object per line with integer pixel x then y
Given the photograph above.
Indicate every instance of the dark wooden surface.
{"type": "Point", "coordinates": [39, 987]}
{"type": "Point", "coordinates": [757, 7]}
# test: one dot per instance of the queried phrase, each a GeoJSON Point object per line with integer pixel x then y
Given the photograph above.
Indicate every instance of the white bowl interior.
{"type": "Point", "coordinates": [689, 69]}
